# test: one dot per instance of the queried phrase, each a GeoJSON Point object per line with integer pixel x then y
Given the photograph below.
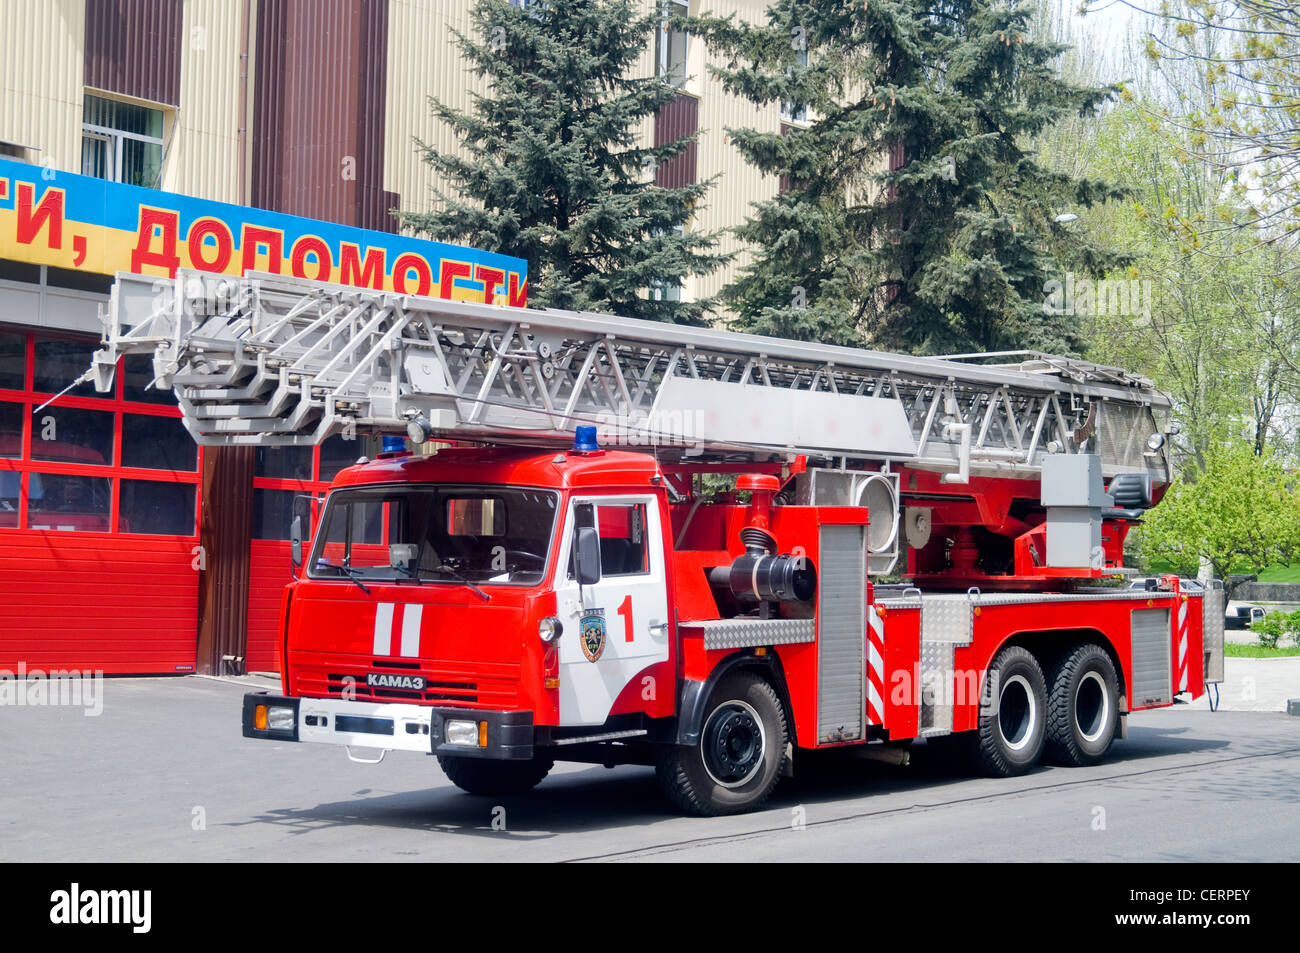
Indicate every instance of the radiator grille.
{"type": "Point", "coordinates": [473, 685]}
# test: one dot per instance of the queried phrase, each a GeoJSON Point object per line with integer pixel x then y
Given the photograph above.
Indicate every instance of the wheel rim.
{"type": "Point", "coordinates": [734, 744]}
{"type": "Point", "coordinates": [1017, 712]}
{"type": "Point", "coordinates": [1091, 707]}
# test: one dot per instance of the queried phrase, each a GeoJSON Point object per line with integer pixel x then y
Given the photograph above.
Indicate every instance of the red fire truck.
{"type": "Point", "coordinates": [682, 547]}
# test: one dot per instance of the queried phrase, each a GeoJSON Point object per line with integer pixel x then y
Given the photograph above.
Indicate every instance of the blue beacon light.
{"type": "Point", "coordinates": [584, 440]}
{"type": "Point", "coordinates": [392, 443]}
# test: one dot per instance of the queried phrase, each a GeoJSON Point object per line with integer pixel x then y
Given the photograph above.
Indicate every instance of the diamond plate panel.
{"type": "Point", "coordinates": [946, 618]}
{"type": "Point", "coordinates": [1097, 595]}
{"type": "Point", "coordinates": [752, 633]}
{"type": "Point", "coordinates": [936, 690]}
{"type": "Point", "coordinates": [1212, 634]}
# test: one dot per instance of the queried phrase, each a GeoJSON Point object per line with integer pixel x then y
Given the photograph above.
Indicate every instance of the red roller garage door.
{"type": "Point", "coordinates": [99, 554]}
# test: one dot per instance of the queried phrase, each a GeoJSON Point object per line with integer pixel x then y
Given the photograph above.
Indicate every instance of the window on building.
{"type": "Point", "coordinates": [668, 289]}
{"type": "Point", "coordinates": [11, 430]}
{"type": "Point", "coordinates": [121, 142]}
{"type": "Point", "coordinates": [342, 450]}
{"type": "Point", "coordinates": [274, 510]}
{"type": "Point", "coordinates": [157, 442]}
{"type": "Point", "coordinates": [665, 291]}
{"type": "Point", "coordinates": [535, 7]}
{"type": "Point", "coordinates": [670, 44]}
{"type": "Point", "coordinates": [89, 462]}
{"type": "Point", "coordinates": [13, 360]}
{"type": "Point", "coordinates": [287, 479]}
{"type": "Point", "coordinates": [796, 112]}
{"type": "Point", "coordinates": [160, 509]}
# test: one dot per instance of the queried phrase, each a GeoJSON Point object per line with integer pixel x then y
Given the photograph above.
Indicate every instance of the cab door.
{"type": "Point", "coordinates": [615, 628]}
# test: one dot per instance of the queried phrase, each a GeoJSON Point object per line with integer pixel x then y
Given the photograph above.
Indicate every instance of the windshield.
{"type": "Point", "coordinates": [432, 533]}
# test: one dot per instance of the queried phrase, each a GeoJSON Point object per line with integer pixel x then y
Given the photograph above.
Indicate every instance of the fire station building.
{"type": "Point", "coordinates": [223, 135]}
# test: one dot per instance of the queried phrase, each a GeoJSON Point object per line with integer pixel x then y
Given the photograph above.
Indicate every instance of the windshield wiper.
{"type": "Point", "coordinates": [461, 576]}
{"type": "Point", "coordinates": [352, 575]}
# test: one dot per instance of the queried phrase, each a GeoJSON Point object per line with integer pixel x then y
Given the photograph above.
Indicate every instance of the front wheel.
{"type": "Point", "coordinates": [737, 761]}
{"type": "Point", "coordinates": [494, 778]}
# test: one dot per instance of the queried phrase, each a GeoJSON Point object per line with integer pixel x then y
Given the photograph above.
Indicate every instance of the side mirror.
{"type": "Point", "coordinates": [586, 556]}
{"type": "Point", "coordinates": [295, 541]}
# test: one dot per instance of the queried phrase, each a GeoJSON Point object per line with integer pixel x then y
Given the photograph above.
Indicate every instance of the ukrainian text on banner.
{"type": "Point", "coordinates": [75, 221]}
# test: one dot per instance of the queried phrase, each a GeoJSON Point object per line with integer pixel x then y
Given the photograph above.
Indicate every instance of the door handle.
{"type": "Point", "coordinates": [658, 628]}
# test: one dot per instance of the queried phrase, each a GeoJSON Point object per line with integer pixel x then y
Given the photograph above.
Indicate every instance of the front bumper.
{"type": "Point", "coordinates": [391, 726]}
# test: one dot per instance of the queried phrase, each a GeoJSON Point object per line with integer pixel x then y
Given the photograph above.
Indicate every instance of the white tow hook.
{"type": "Point", "coordinates": [355, 759]}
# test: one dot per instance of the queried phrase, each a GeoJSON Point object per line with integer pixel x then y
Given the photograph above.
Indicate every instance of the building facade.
{"type": "Point", "coordinates": [128, 548]}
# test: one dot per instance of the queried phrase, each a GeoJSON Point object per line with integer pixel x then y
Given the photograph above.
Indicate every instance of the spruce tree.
{"type": "Point", "coordinates": [554, 173]}
{"type": "Point", "coordinates": [915, 214]}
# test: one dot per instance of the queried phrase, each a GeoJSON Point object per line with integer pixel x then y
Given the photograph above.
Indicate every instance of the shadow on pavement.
{"type": "Point", "coordinates": [597, 799]}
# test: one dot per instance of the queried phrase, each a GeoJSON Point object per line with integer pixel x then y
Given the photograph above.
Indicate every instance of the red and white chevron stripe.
{"type": "Point", "coordinates": [1182, 645]}
{"type": "Point", "coordinates": [876, 667]}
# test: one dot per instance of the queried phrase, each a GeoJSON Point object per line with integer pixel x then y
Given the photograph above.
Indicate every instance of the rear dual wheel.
{"type": "Point", "coordinates": [1083, 708]}
{"type": "Point", "coordinates": [1069, 719]}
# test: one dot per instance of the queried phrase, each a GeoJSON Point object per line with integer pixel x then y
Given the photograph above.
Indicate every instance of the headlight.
{"type": "Point", "coordinates": [462, 733]}
{"type": "Point", "coordinates": [550, 629]}
{"type": "Point", "coordinates": [1155, 442]}
{"type": "Point", "coordinates": [279, 719]}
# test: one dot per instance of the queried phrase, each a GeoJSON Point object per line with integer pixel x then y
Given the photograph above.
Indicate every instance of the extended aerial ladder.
{"type": "Point", "coordinates": [272, 361]}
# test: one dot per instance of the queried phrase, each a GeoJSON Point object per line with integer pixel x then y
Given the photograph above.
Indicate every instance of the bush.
{"type": "Point", "coordinates": [1274, 626]}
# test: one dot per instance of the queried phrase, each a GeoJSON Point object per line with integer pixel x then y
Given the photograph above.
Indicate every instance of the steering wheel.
{"type": "Point", "coordinates": [520, 552]}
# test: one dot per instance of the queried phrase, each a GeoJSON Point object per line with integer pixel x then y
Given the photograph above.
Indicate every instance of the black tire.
{"type": "Point", "coordinates": [1083, 707]}
{"type": "Point", "coordinates": [1013, 729]}
{"type": "Point", "coordinates": [494, 778]}
{"type": "Point", "coordinates": [737, 761]}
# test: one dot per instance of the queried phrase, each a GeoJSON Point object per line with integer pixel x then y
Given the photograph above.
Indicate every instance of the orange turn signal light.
{"type": "Point", "coordinates": [259, 717]}
{"type": "Point", "coordinates": [482, 734]}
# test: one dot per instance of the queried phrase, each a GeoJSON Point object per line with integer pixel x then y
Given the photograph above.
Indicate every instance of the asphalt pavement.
{"type": "Point", "coordinates": [162, 773]}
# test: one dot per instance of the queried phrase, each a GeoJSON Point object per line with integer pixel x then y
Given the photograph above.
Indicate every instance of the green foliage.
{"type": "Point", "coordinates": [951, 250]}
{"type": "Point", "coordinates": [1242, 111]}
{"type": "Point", "coordinates": [1238, 650]}
{"type": "Point", "coordinates": [1242, 508]}
{"type": "Point", "coordinates": [1274, 626]}
{"type": "Point", "coordinates": [1280, 574]}
{"type": "Point", "coordinates": [554, 173]}
{"type": "Point", "coordinates": [1218, 326]}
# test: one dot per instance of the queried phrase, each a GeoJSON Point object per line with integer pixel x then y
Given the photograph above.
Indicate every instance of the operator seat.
{"type": "Point", "coordinates": [1130, 494]}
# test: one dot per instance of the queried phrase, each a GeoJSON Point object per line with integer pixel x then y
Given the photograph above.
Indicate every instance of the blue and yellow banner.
{"type": "Point", "coordinates": [73, 221]}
